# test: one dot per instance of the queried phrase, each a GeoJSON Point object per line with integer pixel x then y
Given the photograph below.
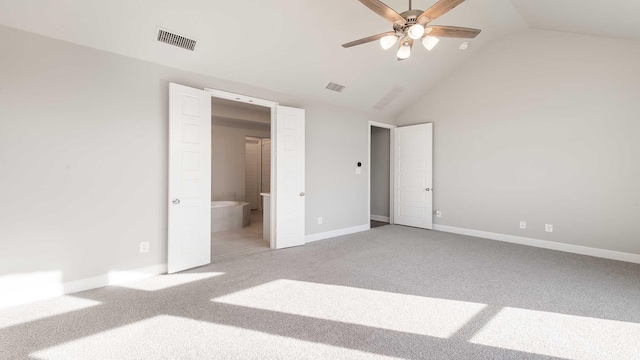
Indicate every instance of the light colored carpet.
{"type": "Point", "coordinates": [391, 292]}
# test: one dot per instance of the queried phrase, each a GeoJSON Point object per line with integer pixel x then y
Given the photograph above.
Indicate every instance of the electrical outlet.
{"type": "Point", "coordinates": [438, 213]}
{"type": "Point", "coordinates": [319, 221]}
{"type": "Point", "coordinates": [523, 224]}
{"type": "Point", "coordinates": [548, 228]}
{"type": "Point", "coordinates": [144, 247]}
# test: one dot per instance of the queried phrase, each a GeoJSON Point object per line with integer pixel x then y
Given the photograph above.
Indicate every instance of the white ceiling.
{"type": "Point", "coordinates": [293, 46]}
{"type": "Point", "coordinates": [608, 18]}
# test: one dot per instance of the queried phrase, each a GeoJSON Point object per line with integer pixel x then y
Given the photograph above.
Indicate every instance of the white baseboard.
{"type": "Point", "coordinates": [29, 287]}
{"type": "Point", "coordinates": [570, 248]}
{"type": "Point", "coordinates": [335, 233]}
{"type": "Point", "coordinates": [379, 218]}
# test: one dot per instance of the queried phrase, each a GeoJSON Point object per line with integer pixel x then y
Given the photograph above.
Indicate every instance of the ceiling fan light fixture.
{"type": "Point", "coordinates": [388, 41]}
{"type": "Point", "coordinates": [405, 51]}
{"type": "Point", "coordinates": [416, 31]}
{"type": "Point", "coordinates": [429, 42]}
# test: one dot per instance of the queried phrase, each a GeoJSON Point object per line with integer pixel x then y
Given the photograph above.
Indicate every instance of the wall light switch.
{"type": "Point", "coordinates": [358, 171]}
{"type": "Point", "coordinates": [523, 224]}
{"type": "Point", "coordinates": [438, 213]}
{"type": "Point", "coordinates": [548, 228]}
{"type": "Point", "coordinates": [319, 221]}
{"type": "Point", "coordinates": [144, 247]}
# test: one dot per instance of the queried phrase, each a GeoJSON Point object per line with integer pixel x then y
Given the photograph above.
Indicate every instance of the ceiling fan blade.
{"type": "Point", "coordinates": [383, 10]}
{"type": "Point", "coordinates": [402, 41]}
{"type": "Point", "coordinates": [452, 32]}
{"type": "Point", "coordinates": [438, 9]}
{"type": "Point", "coordinates": [368, 39]}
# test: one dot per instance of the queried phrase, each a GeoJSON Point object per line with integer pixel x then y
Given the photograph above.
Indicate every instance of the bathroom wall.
{"type": "Point", "coordinates": [227, 156]}
{"type": "Point", "coordinates": [380, 168]}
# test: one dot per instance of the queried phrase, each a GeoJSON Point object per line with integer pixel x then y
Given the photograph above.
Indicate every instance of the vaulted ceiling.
{"type": "Point", "coordinates": [294, 46]}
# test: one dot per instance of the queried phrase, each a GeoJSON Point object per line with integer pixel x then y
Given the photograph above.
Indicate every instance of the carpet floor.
{"type": "Point", "coordinates": [390, 292]}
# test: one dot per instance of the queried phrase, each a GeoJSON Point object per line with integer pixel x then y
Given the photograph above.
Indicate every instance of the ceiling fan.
{"type": "Point", "coordinates": [414, 25]}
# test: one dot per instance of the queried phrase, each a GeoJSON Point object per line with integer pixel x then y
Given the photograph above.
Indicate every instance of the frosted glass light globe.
{"type": "Point", "coordinates": [405, 51]}
{"type": "Point", "coordinates": [388, 41]}
{"type": "Point", "coordinates": [430, 42]}
{"type": "Point", "coordinates": [416, 31]}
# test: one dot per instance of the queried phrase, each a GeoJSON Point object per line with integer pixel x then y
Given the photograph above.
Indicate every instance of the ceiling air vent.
{"type": "Point", "coordinates": [388, 98]}
{"type": "Point", "coordinates": [335, 87]}
{"type": "Point", "coordinates": [175, 40]}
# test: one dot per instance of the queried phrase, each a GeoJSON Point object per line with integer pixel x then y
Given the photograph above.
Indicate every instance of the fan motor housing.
{"type": "Point", "coordinates": [411, 17]}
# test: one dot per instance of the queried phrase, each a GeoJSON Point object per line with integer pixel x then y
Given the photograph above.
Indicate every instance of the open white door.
{"type": "Point", "coordinates": [189, 178]}
{"type": "Point", "coordinates": [289, 189]}
{"type": "Point", "coordinates": [413, 179]}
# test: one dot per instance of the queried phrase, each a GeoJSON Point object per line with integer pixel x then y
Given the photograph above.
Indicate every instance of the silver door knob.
{"type": "Point", "coordinates": [176, 201]}
{"type": "Point", "coordinates": [302, 194]}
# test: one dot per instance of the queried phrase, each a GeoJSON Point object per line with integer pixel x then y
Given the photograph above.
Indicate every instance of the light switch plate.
{"type": "Point", "coordinates": [358, 171]}
{"type": "Point", "coordinates": [144, 247]}
{"type": "Point", "coordinates": [548, 228]}
{"type": "Point", "coordinates": [523, 224]}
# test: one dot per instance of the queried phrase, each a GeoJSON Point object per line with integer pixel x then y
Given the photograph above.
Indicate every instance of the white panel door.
{"type": "Point", "coordinates": [251, 173]}
{"type": "Point", "coordinates": [413, 194]}
{"type": "Point", "coordinates": [289, 189]}
{"type": "Point", "coordinates": [189, 178]}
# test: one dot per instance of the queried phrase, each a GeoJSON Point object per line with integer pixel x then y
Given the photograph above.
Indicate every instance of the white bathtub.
{"type": "Point", "coordinates": [229, 215]}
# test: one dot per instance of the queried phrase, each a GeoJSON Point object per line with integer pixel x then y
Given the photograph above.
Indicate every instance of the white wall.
{"type": "Point", "coordinates": [380, 171]}
{"type": "Point", "coordinates": [83, 153]}
{"type": "Point", "coordinates": [228, 155]}
{"type": "Point", "coordinates": [541, 126]}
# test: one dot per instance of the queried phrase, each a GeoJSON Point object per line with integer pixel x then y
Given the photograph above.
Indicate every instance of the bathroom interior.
{"type": "Point", "coordinates": [240, 178]}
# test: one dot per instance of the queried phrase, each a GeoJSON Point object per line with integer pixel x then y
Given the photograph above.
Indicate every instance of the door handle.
{"type": "Point", "coordinates": [176, 201]}
{"type": "Point", "coordinates": [302, 193]}
{"type": "Point", "coordinates": [428, 189]}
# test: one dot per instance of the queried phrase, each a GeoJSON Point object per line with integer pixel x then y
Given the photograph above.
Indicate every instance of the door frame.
{"type": "Point", "coordinates": [273, 105]}
{"type": "Point", "coordinates": [260, 140]}
{"type": "Point", "coordinates": [257, 141]}
{"type": "Point", "coordinates": [391, 167]}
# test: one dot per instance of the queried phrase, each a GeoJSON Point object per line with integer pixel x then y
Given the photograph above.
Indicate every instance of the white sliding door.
{"type": "Point", "coordinates": [189, 217]}
{"type": "Point", "coordinates": [289, 181]}
{"type": "Point", "coordinates": [413, 178]}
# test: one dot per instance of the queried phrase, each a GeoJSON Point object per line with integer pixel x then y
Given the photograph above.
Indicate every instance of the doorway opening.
{"type": "Point", "coordinates": [380, 174]}
{"type": "Point", "coordinates": [240, 178]}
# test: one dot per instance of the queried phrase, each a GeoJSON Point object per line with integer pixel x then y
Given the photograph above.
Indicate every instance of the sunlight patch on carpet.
{"type": "Point", "coordinates": [43, 309]}
{"type": "Point", "coordinates": [166, 281]}
{"type": "Point", "coordinates": [560, 335]}
{"type": "Point", "coordinates": [171, 337]}
{"type": "Point", "coordinates": [384, 310]}
{"type": "Point", "coordinates": [23, 288]}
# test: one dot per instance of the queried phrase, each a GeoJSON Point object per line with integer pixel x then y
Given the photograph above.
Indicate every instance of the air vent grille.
{"type": "Point", "coordinates": [335, 87]}
{"type": "Point", "coordinates": [176, 40]}
{"type": "Point", "coordinates": [388, 98]}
